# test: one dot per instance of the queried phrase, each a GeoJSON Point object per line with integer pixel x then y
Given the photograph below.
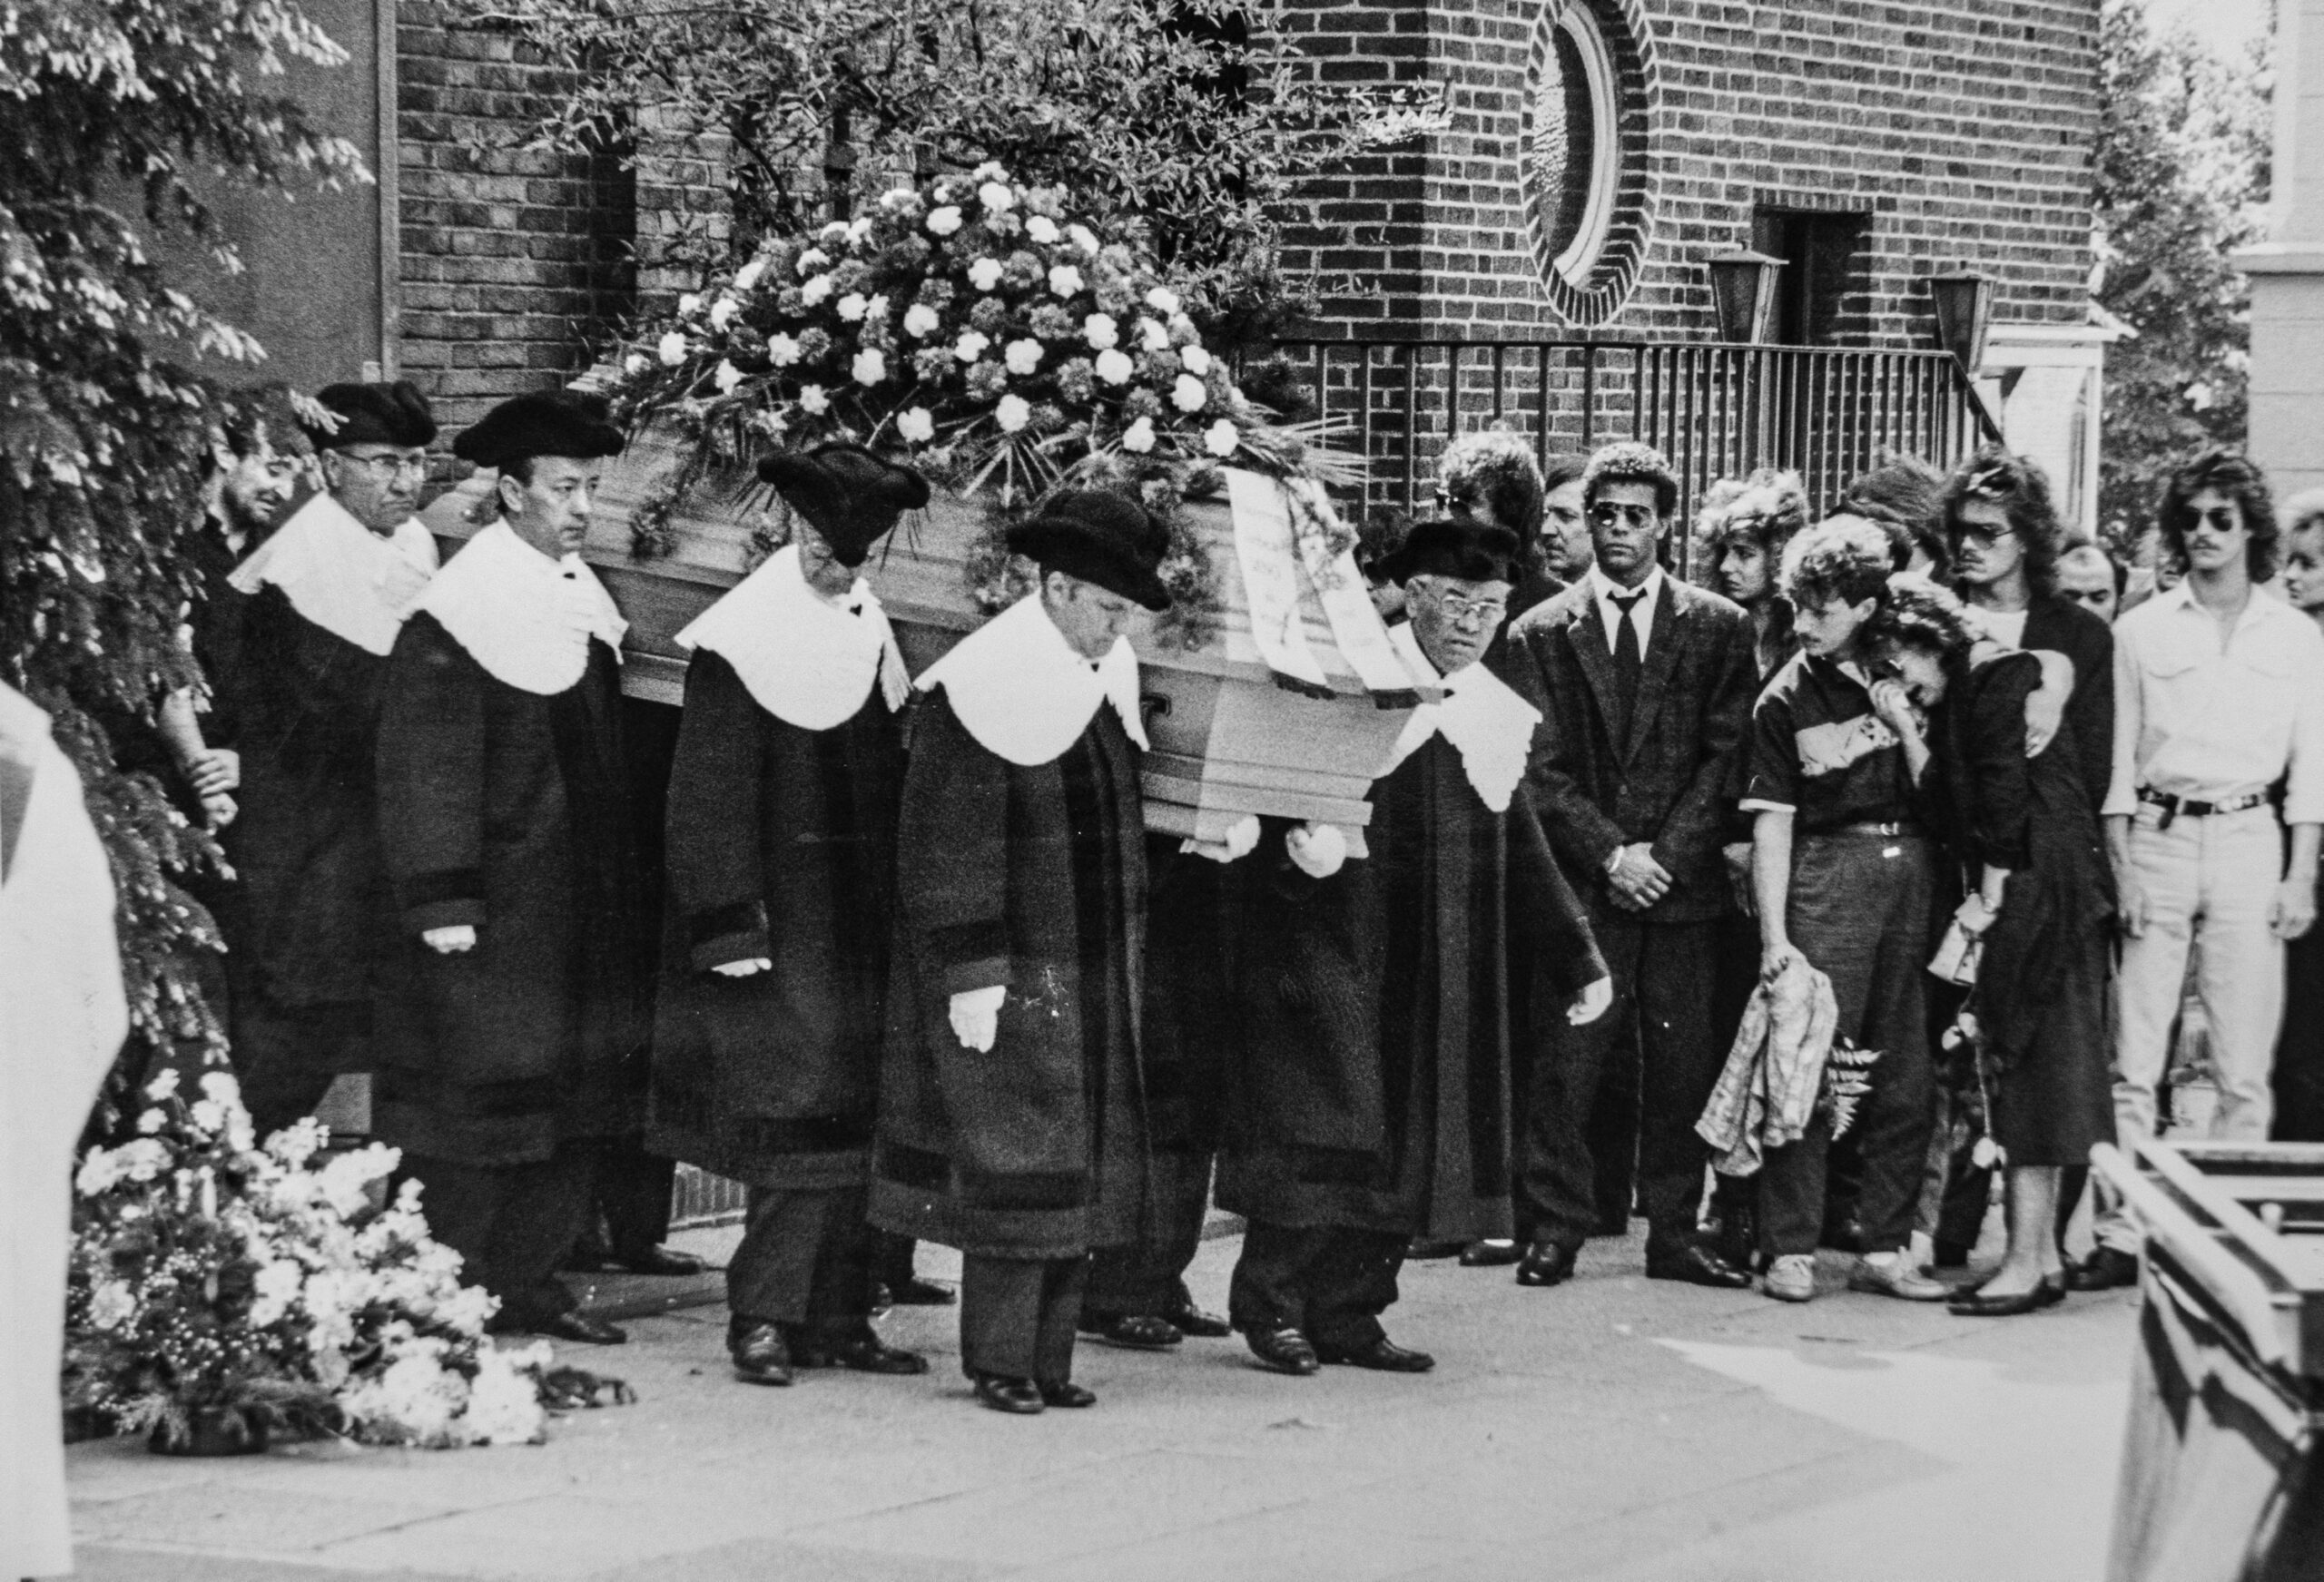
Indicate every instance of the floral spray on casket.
{"type": "Point", "coordinates": [223, 1292]}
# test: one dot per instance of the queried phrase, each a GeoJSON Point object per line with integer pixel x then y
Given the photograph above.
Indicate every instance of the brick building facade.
{"type": "Point", "coordinates": [1587, 160]}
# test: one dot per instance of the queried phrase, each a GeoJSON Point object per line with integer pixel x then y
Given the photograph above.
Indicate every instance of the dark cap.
{"type": "Point", "coordinates": [1100, 537]}
{"type": "Point", "coordinates": [1453, 546]}
{"type": "Point", "coordinates": [540, 423]}
{"type": "Point", "coordinates": [847, 494]}
{"type": "Point", "coordinates": [374, 414]}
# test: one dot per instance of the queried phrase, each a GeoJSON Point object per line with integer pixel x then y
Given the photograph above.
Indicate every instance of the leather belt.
{"type": "Point", "coordinates": [2176, 807]}
{"type": "Point", "coordinates": [1885, 831]}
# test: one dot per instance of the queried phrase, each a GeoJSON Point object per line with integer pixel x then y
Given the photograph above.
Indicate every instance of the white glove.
{"type": "Point", "coordinates": [452, 939]}
{"type": "Point", "coordinates": [1317, 850]}
{"type": "Point", "coordinates": [1241, 836]}
{"type": "Point", "coordinates": [976, 1015]}
{"type": "Point", "coordinates": [1591, 1002]}
{"type": "Point", "coordinates": [745, 968]}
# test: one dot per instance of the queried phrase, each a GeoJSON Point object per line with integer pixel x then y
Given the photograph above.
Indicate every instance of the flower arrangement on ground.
{"type": "Point", "coordinates": [278, 1287]}
{"type": "Point", "coordinates": [1004, 344]}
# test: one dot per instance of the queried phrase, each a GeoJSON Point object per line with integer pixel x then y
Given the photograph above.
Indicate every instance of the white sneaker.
{"type": "Point", "coordinates": [1792, 1278]}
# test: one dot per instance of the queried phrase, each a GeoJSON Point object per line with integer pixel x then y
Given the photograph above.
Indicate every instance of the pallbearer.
{"type": "Point", "coordinates": [516, 1020]}
{"type": "Point", "coordinates": [783, 800]}
{"type": "Point", "coordinates": [1010, 1108]}
{"type": "Point", "coordinates": [1372, 1105]}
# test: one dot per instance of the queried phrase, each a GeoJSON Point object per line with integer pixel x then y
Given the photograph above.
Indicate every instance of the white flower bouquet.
{"type": "Point", "coordinates": [279, 1288]}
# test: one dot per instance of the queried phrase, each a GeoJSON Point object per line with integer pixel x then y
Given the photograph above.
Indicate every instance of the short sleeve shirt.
{"type": "Point", "coordinates": [1819, 753]}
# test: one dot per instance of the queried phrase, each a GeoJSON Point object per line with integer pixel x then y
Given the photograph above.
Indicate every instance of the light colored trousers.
{"type": "Point", "coordinates": [2218, 873]}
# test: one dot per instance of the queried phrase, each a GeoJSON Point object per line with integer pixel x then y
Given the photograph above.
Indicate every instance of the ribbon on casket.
{"type": "Point", "coordinates": [1282, 533]}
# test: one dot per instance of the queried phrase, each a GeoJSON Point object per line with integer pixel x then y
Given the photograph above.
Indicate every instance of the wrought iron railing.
{"type": "Point", "coordinates": [1715, 411]}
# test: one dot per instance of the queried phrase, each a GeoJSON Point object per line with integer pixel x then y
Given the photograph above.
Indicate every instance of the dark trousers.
{"type": "Point", "coordinates": [1148, 1278]}
{"type": "Point", "coordinates": [1330, 1283]}
{"type": "Point", "coordinates": [1859, 913]}
{"type": "Point", "coordinates": [804, 1260]}
{"type": "Point", "coordinates": [1665, 981]}
{"type": "Point", "coordinates": [892, 1258]}
{"type": "Point", "coordinates": [287, 1057]}
{"type": "Point", "coordinates": [1018, 1315]}
{"type": "Point", "coordinates": [512, 1225]}
{"type": "Point", "coordinates": [1613, 1143]}
{"type": "Point", "coordinates": [628, 1212]}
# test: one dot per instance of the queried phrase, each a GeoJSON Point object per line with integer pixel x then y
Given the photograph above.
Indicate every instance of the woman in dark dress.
{"type": "Point", "coordinates": [2041, 900]}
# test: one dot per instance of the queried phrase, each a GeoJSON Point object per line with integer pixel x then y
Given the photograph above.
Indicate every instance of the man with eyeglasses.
{"type": "Point", "coordinates": [2218, 745]}
{"type": "Point", "coordinates": [326, 598]}
{"type": "Point", "coordinates": [1645, 686]}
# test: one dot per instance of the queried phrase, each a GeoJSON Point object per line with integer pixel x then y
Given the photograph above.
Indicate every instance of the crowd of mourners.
{"type": "Point", "coordinates": [1787, 883]}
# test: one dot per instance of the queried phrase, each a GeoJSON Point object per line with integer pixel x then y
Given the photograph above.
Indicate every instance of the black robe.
{"type": "Point", "coordinates": [781, 846]}
{"type": "Point", "coordinates": [507, 810]}
{"type": "Point", "coordinates": [307, 923]}
{"type": "Point", "coordinates": [1034, 877]}
{"type": "Point", "coordinates": [1381, 1009]}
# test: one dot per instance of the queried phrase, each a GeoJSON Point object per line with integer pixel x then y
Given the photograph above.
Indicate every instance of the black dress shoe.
{"type": "Point", "coordinates": [862, 1354]}
{"type": "Point", "coordinates": [660, 1261]}
{"type": "Point", "coordinates": [579, 1326]}
{"type": "Point", "coordinates": [918, 1293]}
{"type": "Point", "coordinates": [1977, 1304]}
{"type": "Point", "coordinates": [2052, 1289]}
{"type": "Point", "coordinates": [2104, 1270]}
{"type": "Point", "coordinates": [1133, 1331]}
{"type": "Point", "coordinates": [1382, 1356]}
{"type": "Point", "coordinates": [1019, 1397]}
{"type": "Point", "coordinates": [761, 1355]}
{"type": "Point", "coordinates": [1285, 1351]}
{"type": "Point", "coordinates": [1490, 1253]}
{"type": "Point", "coordinates": [1545, 1263]}
{"type": "Point", "coordinates": [1066, 1394]}
{"type": "Point", "coordinates": [1421, 1250]}
{"type": "Point", "coordinates": [1697, 1265]}
{"type": "Point", "coordinates": [1191, 1320]}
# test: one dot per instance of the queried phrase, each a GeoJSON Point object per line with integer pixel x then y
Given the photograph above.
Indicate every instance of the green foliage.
{"type": "Point", "coordinates": [2182, 169]}
{"type": "Point", "coordinates": [1191, 118]}
{"type": "Point", "coordinates": [115, 118]}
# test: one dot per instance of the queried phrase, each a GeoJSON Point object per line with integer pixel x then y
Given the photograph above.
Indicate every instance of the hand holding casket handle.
{"type": "Point", "coordinates": [450, 939]}
{"type": "Point", "coordinates": [1591, 1002]}
{"type": "Point", "coordinates": [1241, 836]}
{"type": "Point", "coordinates": [744, 968]}
{"type": "Point", "coordinates": [1317, 850]}
{"type": "Point", "coordinates": [976, 1015]}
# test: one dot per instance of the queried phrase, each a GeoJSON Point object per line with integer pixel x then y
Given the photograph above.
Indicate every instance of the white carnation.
{"type": "Point", "coordinates": [815, 290]}
{"type": "Point", "coordinates": [671, 350]}
{"type": "Point", "coordinates": [689, 304]}
{"type": "Point", "coordinates": [151, 1122]}
{"type": "Point", "coordinates": [813, 259]}
{"type": "Point", "coordinates": [781, 350]}
{"type": "Point", "coordinates": [833, 230]}
{"type": "Point", "coordinates": [1083, 238]}
{"type": "Point", "coordinates": [163, 1086]}
{"type": "Point", "coordinates": [871, 365]}
{"type": "Point", "coordinates": [1065, 280]}
{"type": "Point", "coordinates": [1012, 413]}
{"type": "Point", "coordinates": [915, 426]}
{"type": "Point", "coordinates": [852, 306]}
{"type": "Point", "coordinates": [100, 1169]}
{"type": "Point", "coordinates": [1022, 356]}
{"type": "Point", "coordinates": [945, 221]}
{"type": "Point", "coordinates": [1139, 436]}
{"type": "Point", "coordinates": [920, 320]}
{"type": "Point", "coordinates": [996, 197]}
{"type": "Point", "coordinates": [985, 273]}
{"type": "Point", "coordinates": [723, 311]}
{"type": "Point", "coordinates": [1188, 395]}
{"type": "Point", "coordinates": [726, 376]}
{"type": "Point", "coordinates": [1195, 360]}
{"type": "Point", "coordinates": [635, 364]}
{"type": "Point", "coordinates": [1162, 300]}
{"type": "Point", "coordinates": [110, 1304]}
{"type": "Point", "coordinates": [971, 346]}
{"type": "Point", "coordinates": [1114, 366]}
{"type": "Point", "coordinates": [1041, 229]}
{"type": "Point", "coordinates": [875, 311]}
{"type": "Point", "coordinates": [813, 401]}
{"type": "Point", "coordinates": [858, 229]}
{"type": "Point", "coordinates": [1152, 336]}
{"type": "Point", "coordinates": [1221, 438]}
{"type": "Point", "coordinates": [220, 1088]}
{"type": "Point", "coordinates": [749, 274]}
{"type": "Point", "coordinates": [1101, 332]}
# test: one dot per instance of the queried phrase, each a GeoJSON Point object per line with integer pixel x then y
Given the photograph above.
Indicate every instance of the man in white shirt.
{"type": "Point", "coordinates": [2219, 697]}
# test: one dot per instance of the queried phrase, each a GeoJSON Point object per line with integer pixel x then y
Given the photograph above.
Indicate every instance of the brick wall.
{"type": "Point", "coordinates": [1959, 129]}
{"type": "Point", "coordinates": [514, 261]}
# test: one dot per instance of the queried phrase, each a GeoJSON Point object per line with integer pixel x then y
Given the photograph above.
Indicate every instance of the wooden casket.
{"type": "Point", "coordinates": [1290, 707]}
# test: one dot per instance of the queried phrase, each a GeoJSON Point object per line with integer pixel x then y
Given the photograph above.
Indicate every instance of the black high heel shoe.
{"type": "Point", "coordinates": [1977, 1304]}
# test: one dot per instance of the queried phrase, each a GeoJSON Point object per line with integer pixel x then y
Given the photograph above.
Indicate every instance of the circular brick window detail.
{"type": "Point", "coordinates": [1583, 172]}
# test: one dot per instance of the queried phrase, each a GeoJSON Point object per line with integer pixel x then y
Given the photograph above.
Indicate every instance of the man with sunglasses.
{"type": "Point", "coordinates": [2218, 702]}
{"type": "Point", "coordinates": [1645, 686]}
{"type": "Point", "coordinates": [326, 598]}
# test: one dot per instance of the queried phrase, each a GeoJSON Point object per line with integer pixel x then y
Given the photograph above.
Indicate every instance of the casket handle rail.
{"type": "Point", "coordinates": [2188, 1222]}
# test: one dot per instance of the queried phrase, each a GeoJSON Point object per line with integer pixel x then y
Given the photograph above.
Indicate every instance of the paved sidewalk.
{"type": "Point", "coordinates": [1613, 1429]}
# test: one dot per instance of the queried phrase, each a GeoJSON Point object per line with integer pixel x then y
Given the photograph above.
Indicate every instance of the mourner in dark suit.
{"type": "Point", "coordinates": [517, 1015]}
{"type": "Point", "coordinates": [783, 799]}
{"type": "Point", "coordinates": [1011, 1120]}
{"type": "Point", "coordinates": [1371, 1105]}
{"type": "Point", "coordinates": [1645, 688]}
{"type": "Point", "coordinates": [320, 604]}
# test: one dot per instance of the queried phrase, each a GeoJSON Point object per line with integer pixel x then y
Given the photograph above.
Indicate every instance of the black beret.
{"type": "Point", "coordinates": [1453, 546]}
{"type": "Point", "coordinates": [540, 423]}
{"type": "Point", "coordinates": [1100, 537]}
{"type": "Point", "coordinates": [374, 414]}
{"type": "Point", "coordinates": [847, 494]}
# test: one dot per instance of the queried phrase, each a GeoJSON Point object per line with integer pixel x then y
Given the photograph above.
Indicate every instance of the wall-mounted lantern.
{"type": "Point", "coordinates": [1965, 307]}
{"type": "Point", "coordinates": [1743, 290]}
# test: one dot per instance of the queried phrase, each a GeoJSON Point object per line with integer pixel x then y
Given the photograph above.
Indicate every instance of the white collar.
{"type": "Point", "coordinates": [806, 660]}
{"type": "Point", "coordinates": [1605, 589]}
{"type": "Point", "coordinates": [2260, 605]}
{"type": "Point", "coordinates": [1487, 723]}
{"type": "Point", "coordinates": [1017, 686]}
{"type": "Point", "coordinates": [526, 619]}
{"type": "Point", "coordinates": [341, 576]}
